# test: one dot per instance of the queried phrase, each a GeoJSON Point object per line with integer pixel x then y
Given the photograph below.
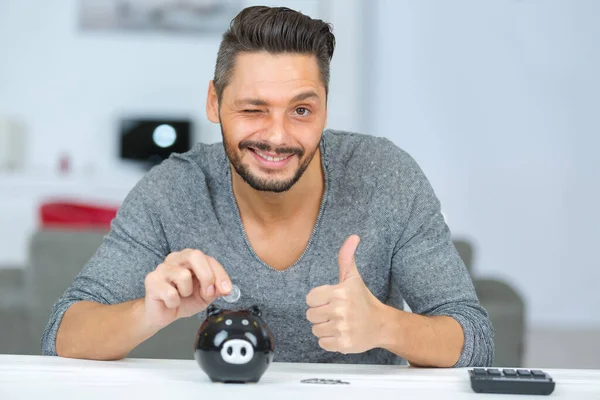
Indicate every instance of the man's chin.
{"type": "Point", "coordinates": [267, 183]}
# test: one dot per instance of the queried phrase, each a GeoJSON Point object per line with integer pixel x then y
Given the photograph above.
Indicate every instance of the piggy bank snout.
{"type": "Point", "coordinates": [237, 351]}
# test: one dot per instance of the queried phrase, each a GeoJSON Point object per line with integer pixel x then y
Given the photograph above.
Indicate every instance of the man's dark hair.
{"type": "Point", "coordinates": [276, 30]}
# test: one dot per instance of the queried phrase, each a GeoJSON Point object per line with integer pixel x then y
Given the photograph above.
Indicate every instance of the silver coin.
{"type": "Point", "coordinates": [233, 296]}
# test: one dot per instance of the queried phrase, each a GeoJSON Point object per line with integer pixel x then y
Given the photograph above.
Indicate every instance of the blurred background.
{"type": "Point", "coordinates": [497, 100]}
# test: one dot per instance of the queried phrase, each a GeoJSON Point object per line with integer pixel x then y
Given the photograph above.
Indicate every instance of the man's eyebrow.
{"type": "Point", "coordinates": [249, 101]}
{"type": "Point", "coordinates": [305, 96]}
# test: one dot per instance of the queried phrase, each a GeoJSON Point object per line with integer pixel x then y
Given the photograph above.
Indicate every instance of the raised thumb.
{"type": "Point", "coordinates": [348, 267]}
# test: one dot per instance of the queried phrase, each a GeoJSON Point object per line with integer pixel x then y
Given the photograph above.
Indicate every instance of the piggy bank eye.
{"type": "Point", "coordinates": [245, 322]}
{"type": "Point", "coordinates": [228, 322]}
{"type": "Point", "coordinates": [220, 338]}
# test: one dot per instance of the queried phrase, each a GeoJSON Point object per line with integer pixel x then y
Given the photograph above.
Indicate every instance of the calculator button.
{"type": "Point", "coordinates": [512, 381]}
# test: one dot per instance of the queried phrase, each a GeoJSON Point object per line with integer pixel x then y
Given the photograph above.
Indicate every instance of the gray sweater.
{"type": "Point", "coordinates": [372, 188]}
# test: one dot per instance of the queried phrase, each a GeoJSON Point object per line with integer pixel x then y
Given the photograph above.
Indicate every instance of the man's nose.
{"type": "Point", "coordinates": [276, 133]}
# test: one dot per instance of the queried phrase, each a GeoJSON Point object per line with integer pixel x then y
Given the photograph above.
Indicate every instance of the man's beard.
{"type": "Point", "coordinates": [265, 184]}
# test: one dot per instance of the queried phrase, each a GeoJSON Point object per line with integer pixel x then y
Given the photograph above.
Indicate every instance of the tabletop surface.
{"type": "Point", "coordinates": [36, 377]}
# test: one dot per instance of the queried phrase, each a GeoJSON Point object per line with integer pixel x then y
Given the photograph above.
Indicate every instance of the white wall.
{"type": "Point", "coordinates": [70, 87]}
{"type": "Point", "coordinates": [498, 101]}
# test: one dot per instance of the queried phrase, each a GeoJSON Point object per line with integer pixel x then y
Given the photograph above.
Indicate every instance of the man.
{"type": "Point", "coordinates": [279, 209]}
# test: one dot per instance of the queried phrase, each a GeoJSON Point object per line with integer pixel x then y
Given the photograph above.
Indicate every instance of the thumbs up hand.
{"type": "Point", "coordinates": [346, 316]}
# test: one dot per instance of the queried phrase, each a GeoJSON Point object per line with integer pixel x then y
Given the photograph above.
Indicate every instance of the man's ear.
{"type": "Point", "coordinates": [212, 104]}
{"type": "Point", "coordinates": [326, 110]}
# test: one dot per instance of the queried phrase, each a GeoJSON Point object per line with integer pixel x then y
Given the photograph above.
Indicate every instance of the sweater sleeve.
{"type": "Point", "coordinates": [432, 278]}
{"type": "Point", "coordinates": [134, 247]}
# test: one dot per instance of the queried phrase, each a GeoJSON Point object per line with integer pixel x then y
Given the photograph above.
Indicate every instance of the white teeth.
{"type": "Point", "coordinates": [269, 158]}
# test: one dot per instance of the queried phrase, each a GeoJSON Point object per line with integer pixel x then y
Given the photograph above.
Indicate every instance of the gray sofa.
{"type": "Point", "coordinates": [505, 307]}
{"type": "Point", "coordinates": [56, 256]}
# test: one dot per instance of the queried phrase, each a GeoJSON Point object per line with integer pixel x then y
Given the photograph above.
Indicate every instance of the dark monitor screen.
{"type": "Point", "coordinates": [153, 140]}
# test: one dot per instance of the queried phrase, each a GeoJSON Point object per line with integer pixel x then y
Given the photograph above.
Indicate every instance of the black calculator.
{"type": "Point", "coordinates": [511, 381]}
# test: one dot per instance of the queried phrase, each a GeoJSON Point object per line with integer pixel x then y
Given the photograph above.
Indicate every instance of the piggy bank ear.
{"type": "Point", "coordinates": [254, 310]}
{"type": "Point", "coordinates": [213, 311]}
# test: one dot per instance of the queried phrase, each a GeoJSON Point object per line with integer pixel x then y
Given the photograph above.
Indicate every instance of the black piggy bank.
{"type": "Point", "coordinates": [234, 346]}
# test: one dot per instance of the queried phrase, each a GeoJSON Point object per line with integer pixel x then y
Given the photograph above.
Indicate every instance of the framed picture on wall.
{"type": "Point", "coordinates": [162, 16]}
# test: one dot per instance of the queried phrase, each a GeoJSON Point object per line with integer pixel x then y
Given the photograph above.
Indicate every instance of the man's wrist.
{"type": "Point", "coordinates": [389, 335]}
{"type": "Point", "coordinates": [147, 328]}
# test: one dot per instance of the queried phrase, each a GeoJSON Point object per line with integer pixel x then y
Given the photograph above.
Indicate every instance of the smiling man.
{"type": "Point", "coordinates": [326, 231]}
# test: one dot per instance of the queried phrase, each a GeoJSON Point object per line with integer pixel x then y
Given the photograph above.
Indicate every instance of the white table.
{"type": "Point", "coordinates": [46, 378]}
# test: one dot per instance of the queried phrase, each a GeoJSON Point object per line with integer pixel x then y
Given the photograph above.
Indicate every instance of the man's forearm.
{"type": "Point", "coordinates": [423, 341]}
{"type": "Point", "coordinates": [102, 332]}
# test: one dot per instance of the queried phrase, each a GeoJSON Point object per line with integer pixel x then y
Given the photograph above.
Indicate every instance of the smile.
{"type": "Point", "coordinates": [270, 158]}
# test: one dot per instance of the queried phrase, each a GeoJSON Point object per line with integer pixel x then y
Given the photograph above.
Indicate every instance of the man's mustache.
{"type": "Point", "coordinates": [262, 146]}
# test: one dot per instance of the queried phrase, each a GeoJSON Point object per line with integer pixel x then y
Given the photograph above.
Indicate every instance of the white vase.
{"type": "Point", "coordinates": [12, 144]}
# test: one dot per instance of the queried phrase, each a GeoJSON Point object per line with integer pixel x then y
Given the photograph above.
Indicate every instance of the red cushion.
{"type": "Point", "coordinates": [76, 215]}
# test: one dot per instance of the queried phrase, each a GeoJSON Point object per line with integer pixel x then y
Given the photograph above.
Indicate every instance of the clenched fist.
{"type": "Point", "coordinates": [345, 316]}
{"type": "Point", "coordinates": [186, 283]}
